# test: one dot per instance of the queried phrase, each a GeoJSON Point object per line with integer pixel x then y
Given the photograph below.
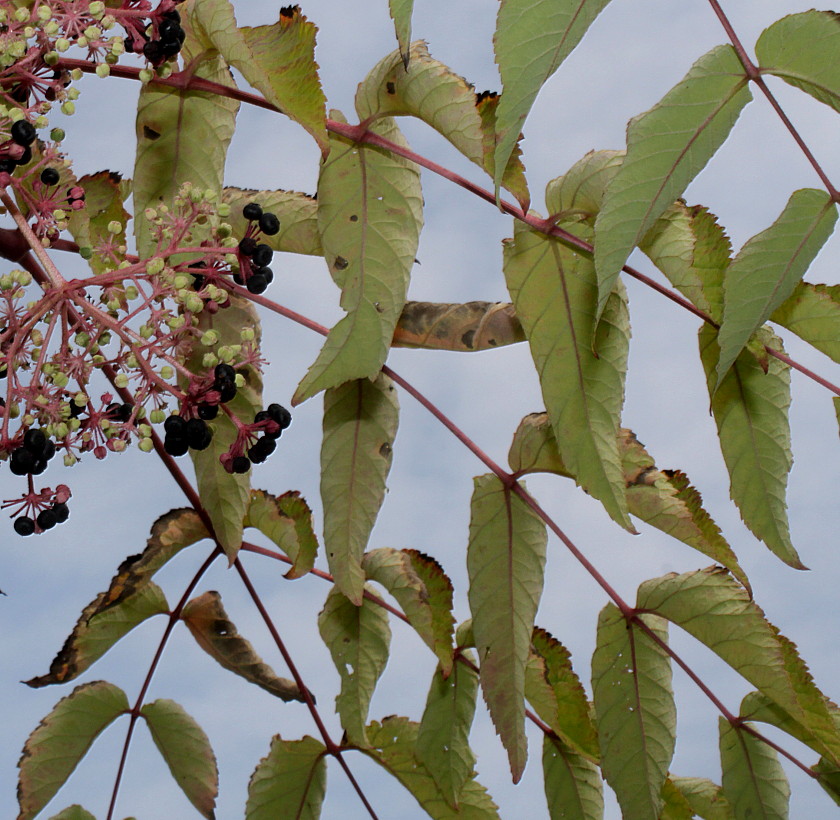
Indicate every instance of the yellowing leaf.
{"type": "Point", "coordinates": [812, 312]}
{"type": "Point", "coordinates": [186, 750]}
{"type": "Point", "coordinates": [213, 631]}
{"type": "Point", "coordinates": [62, 739]}
{"type": "Point", "coordinates": [287, 520]}
{"type": "Point", "coordinates": [440, 595]}
{"type": "Point", "coordinates": [289, 782]}
{"type": "Point", "coordinates": [358, 638]}
{"type": "Point", "coordinates": [505, 562]}
{"type": "Point", "coordinates": [675, 806]}
{"type": "Point", "coordinates": [705, 798]}
{"type": "Point", "coordinates": [360, 424]}
{"type": "Point", "coordinates": [634, 705]}
{"type": "Point", "coordinates": [573, 788]}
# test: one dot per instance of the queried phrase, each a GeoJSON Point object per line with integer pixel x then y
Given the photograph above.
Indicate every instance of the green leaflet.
{"type": "Point", "coordinates": [706, 799]}
{"type": "Point", "coordinates": [181, 136]}
{"type": "Point", "coordinates": [298, 215]}
{"type": "Point", "coordinates": [573, 787]}
{"type": "Point", "coordinates": [278, 60]}
{"type": "Point", "coordinates": [432, 92]}
{"type": "Point", "coordinates": [369, 217]}
{"type": "Point", "coordinates": [662, 498]}
{"type": "Point", "coordinates": [394, 570]}
{"type": "Point", "coordinates": [554, 292]}
{"type": "Point", "coordinates": [768, 268]}
{"type": "Point", "coordinates": [93, 635]}
{"type": "Point", "coordinates": [74, 812]}
{"type": "Point", "coordinates": [225, 496]}
{"type": "Point", "coordinates": [186, 750]}
{"type": "Point", "coordinates": [802, 50]}
{"type": "Point", "coordinates": [555, 693]}
{"type": "Point", "coordinates": [443, 736]}
{"type": "Point", "coordinates": [635, 711]}
{"type": "Point", "coordinates": [440, 595]}
{"type": "Point", "coordinates": [751, 413]}
{"type": "Point", "coordinates": [217, 635]}
{"type": "Point", "coordinates": [62, 739]}
{"type": "Point", "coordinates": [828, 776]}
{"type": "Point", "coordinates": [358, 638]}
{"type": "Point", "coordinates": [392, 745]}
{"type": "Point", "coordinates": [360, 424]}
{"type": "Point", "coordinates": [289, 782]}
{"type": "Point", "coordinates": [753, 779]}
{"type": "Point", "coordinates": [718, 612]}
{"type": "Point", "coordinates": [401, 15]}
{"type": "Point", "coordinates": [675, 806]}
{"type": "Point", "coordinates": [531, 41]}
{"type": "Point", "coordinates": [104, 195]}
{"type": "Point", "coordinates": [576, 197]}
{"type": "Point", "coordinates": [505, 563]}
{"type": "Point", "coordinates": [812, 312]}
{"type": "Point", "coordinates": [287, 520]}
{"type": "Point", "coordinates": [689, 246]}
{"type": "Point", "coordinates": [666, 148]}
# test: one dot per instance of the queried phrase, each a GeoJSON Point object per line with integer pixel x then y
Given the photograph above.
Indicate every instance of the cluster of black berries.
{"type": "Point", "coordinates": [256, 255]}
{"type": "Point", "coordinates": [224, 381]}
{"type": "Point", "coordinates": [181, 435]}
{"type": "Point", "coordinates": [56, 513]}
{"type": "Point", "coordinates": [278, 418]}
{"type": "Point", "coordinates": [32, 457]}
{"type": "Point", "coordinates": [23, 134]}
{"type": "Point", "coordinates": [171, 38]}
{"type": "Point", "coordinates": [115, 411]}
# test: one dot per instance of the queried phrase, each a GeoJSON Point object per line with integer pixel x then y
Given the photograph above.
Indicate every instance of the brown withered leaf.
{"type": "Point", "coordinates": [217, 635]}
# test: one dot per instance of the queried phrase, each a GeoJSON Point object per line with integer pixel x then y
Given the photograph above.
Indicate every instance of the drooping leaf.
{"type": "Point", "coordinates": [666, 148]}
{"type": "Point", "coordinates": [828, 776]}
{"type": "Point", "coordinates": [675, 806]}
{"type": "Point", "coordinates": [466, 327]}
{"type": "Point", "coordinates": [104, 195]}
{"type": "Point", "coordinates": [801, 50]}
{"type": "Point", "coordinates": [573, 788]}
{"type": "Point", "coordinates": [432, 92]}
{"type": "Point", "coordinates": [297, 213]}
{"type": "Point", "coordinates": [74, 812]}
{"type": "Point", "coordinates": [358, 638]}
{"type": "Point", "coordinates": [719, 613]}
{"type": "Point", "coordinates": [751, 413]}
{"type": "Point", "coordinates": [186, 750]}
{"type": "Point", "coordinates": [705, 798]}
{"type": "Point", "coordinates": [440, 595]}
{"type": "Point", "coordinates": [505, 563]}
{"type": "Point", "coordinates": [555, 294]}
{"type": "Point", "coordinates": [360, 424]}
{"type": "Point", "coordinates": [369, 216]}
{"type": "Point", "coordinates": [531, 41]}
{"type": "Point", "coordinates": [289, 782]}
{"type": "Point", "coordinates": [753, 779]}
{"type": "Point", "coordinates": [768, 268]}
{"type": "Point", "coordinates": [287, 520]}
{"type": "Point", "coordinates": [278, 59]}
{"type": "Point", "coordinates": [635, 712]}
{"type": "Point", "coordinates": [662, 498]}
{"type": "Point", "coordinates": [218, 636]}
{"type": "Point", "coordinates": [812, 312]}
{"type": "Point", "coordinates": [182, 136]}
{"type": "Point", "coordinates": [443, 736]}
{"type": "Point", "coordinates": [225, 496]}
{"type": "Point", "coordinates": [555, 693]}
{"type": "Point", "coordinates": [62, 739]}
{"type": "Point", "coordinates": [401, 14]}
{"type": "Point", "coordinates": [689, 246]}
{"type": "Point", "coordinates": [392, 745]}
{"type": "Point", "coordinates": [93, 635]}
{"type": "Point", "coordinates": [394, 570]}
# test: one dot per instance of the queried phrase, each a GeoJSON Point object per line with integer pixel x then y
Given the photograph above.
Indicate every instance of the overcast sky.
{"type": "Point", "coordinates": [634, 53]}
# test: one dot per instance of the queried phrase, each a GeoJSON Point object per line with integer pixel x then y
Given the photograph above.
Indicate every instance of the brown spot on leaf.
{"type": "Point", "coordinates": [354, 217]}
{"type": "Point", "coordinates": [467, 339]}
{"type": "Point", "coordinates": [385, 450]}
{"type": "Point", "coordinates": [340, 263]}
{"type": "Point", "coordinates": [150, 133]}
{"type": "Point", "coordinates": [390, 87]}
{"type": "Point", "coordinates": [485, 95]}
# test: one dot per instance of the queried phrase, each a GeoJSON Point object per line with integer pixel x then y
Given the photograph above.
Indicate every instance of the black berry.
{"type": "Point", "coordinates": [208, 411]}
{"type": "Point", "coordinates": [173, 15]}
{"type": "Point", "coordinates": [175, 445]}
{"type": "Point", "coordinates": [170, 47]}
{"type": "Point", "coordinates": [280, 414]}
{"type": "Point", "coordinates": [168, 28]}
{"type": "Point", "coordinates": [247, 245]}
{"type": "Point", "coordinates": [264, 447]}
{"type": "Point", "coordinates": [257, 283]}
{"type": "Point", "coordinates": [47, 519]}
{"type": "Point", "coordinates": [23, 132]}
{"type": "Point", "coordinates": [241, 464]}
{"type": "Point", "coordinates": [25, 157]}
{"type": "Point", "coordinates": [175, 426]}
{"type": "Point", "coordinates": [269, 224]}
{"type": "Point", "coordinates": [262, 255]}
{"type": "Point", "coordinates": [153, 51]}
{"type": "Point", "coordinates": [24, 525]}
{"type": "Point", "coordinates": [49, 176]}
{"type": "Point", "coordinates": [199, 435]}
{"type": "Point", "coordinates": [224, 373]}
{"type": "Point", "coordinates": [252, 211]}
{"type": "Point", "coordinates": [62, 512]}
{"type": "Point", "coordinates": [227, 391]}
{"type": "Point", "coordinates": [35, 441]}
{"type": "Point", "coordinates": [22, 461]}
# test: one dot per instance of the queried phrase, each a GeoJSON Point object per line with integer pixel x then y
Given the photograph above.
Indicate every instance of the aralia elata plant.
{"type": "Point", "coordinates": [159, 347]}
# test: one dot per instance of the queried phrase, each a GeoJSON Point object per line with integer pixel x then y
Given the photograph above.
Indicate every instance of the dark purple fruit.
{"type": "Point", "coordinates": [23, 133]}
{"type": "Point", "coordinates": [175, 426]}
{"type": "Point", "coordinates": [257, 283]}
{"type": "Point", "coordinates": [224, 373]}
{"type": "Point", "coordinates": [208, 411]}
{"type": "Point", "coordinates": [262, 255]}
{"type": "Point", "coordinates": [46, 519]}
{"type": "Point", "coordinates": [35, 441]}
{"type": "Point", "coordinates": [199, 435]}
{"type": "Point", "coordinates": [241, 464]}
{"type": "Point", "coordinates": [280, 414]}
{"type": "Point", "coordinates": [175, 445]}
{"type": "Point", "coordinates": [269, 224]}
{"type": "Point", "coordinates": [22, 461]}
{"type": "Point", "coordinates": [49, 176]}
{"type": "Point", "coordinates": [62, 512]}
{"type": "Point", "coordinates": [247, 245]}
{"type": "Point", "coordinates": [252, 211]}
{"type": "Point", "coordinates": [24, 525]}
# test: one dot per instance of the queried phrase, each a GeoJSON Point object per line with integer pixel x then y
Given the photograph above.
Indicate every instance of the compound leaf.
{"type": "Point", "coordinates": [768, 268]}
{"type": "Point", "coordinates": [801, 49]}
{"type": "Point", "coordinates": [62, 739]}
{"type": "Point", "coordinates": [369, 217]}
{"type": "Point", "coordinates": [666, 148]}
{"type": "Point", "coordinates": [572, 782]}
{"type": "Point", "coordinates": [360, 424]}
{"type": "Point", "coordinates": [505, 563]}
{"type": "Point", "coordinates": [217, 635]}
{"type": "Point", "coordinates": [289, 782]}
{"type": "Point", "coordinates": [812, 312]}
{"type": "Point", "coordinates": [635, 711]}
{"type": "Point", "coordinates": [358, 638]}
{"type": "Point", "coordinates": [186, 750]}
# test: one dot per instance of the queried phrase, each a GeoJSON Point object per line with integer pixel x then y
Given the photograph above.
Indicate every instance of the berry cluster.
{"type": "Point", "coordinates": [254, 256]}
{"type": "Point", "coordinates": [19, 148]}
{"type": "Point", "coordinates": [170, 38]}
{"type": "Point", "coordinates": [267, 427]}
{"type": "Point", "coordinates": [32, 456]}
{"type": "Point", "coordinates": [57, 513]}
{"type": "Point", "coordinates": [182, 435]}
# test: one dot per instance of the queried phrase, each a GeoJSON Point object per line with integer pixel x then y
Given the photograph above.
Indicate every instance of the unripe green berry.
{"type": "Point", "coordinates": [157, 416]}
{"type": "Point", "coordinates": [154, 266]}
{"type": "Point", "coordinates": [166, 372]}
{"type": "Point", "coordinates": [60, 380]}
{"type": "Point", "coordinates": [146, 445]}
{"type": "Point", "coordinates": [80, 399]}
{"type": "Point", "coordinates": [146, 75]}
{"type": "Point", "coordinates": [69, 460]}
{"type": "Point", "coordinates": [121, 380]}
{"type": "Point", "coordinates": [93, 32]}
{"type": "Point", "coordinates": [209, 360]}
{"type": "Point", "coordinates": [96, 8]}
{"type": "Point", "coordinates": [62, 44]}
{"type": "Point", "coordinates": [103, 70]}
{"type": "Point", "coordinates": [57, 134]}
{"type": "Point", "coordinates": [210, 338]}
{"type": "Point", "coordinates": [224, 209]}
{"type": "Point", "coordinates": [68, 108]}
{"type": "Point", "coordinates": [51, 58]}
{"type": "Point", "coordinates": [76, 74]}
{"type": "Point", "coordinates": [22, 15]}
{"type": "Point", "coordinates": [118, 445]}
{"type": "Point", "coordinates": [115, 226]}
{"type": "Point", "coordinates": [146, 332]}
{"type": "Point", "coordinates": [247, 334]}
{"type": "Point", "coordinates": [239, 380]}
